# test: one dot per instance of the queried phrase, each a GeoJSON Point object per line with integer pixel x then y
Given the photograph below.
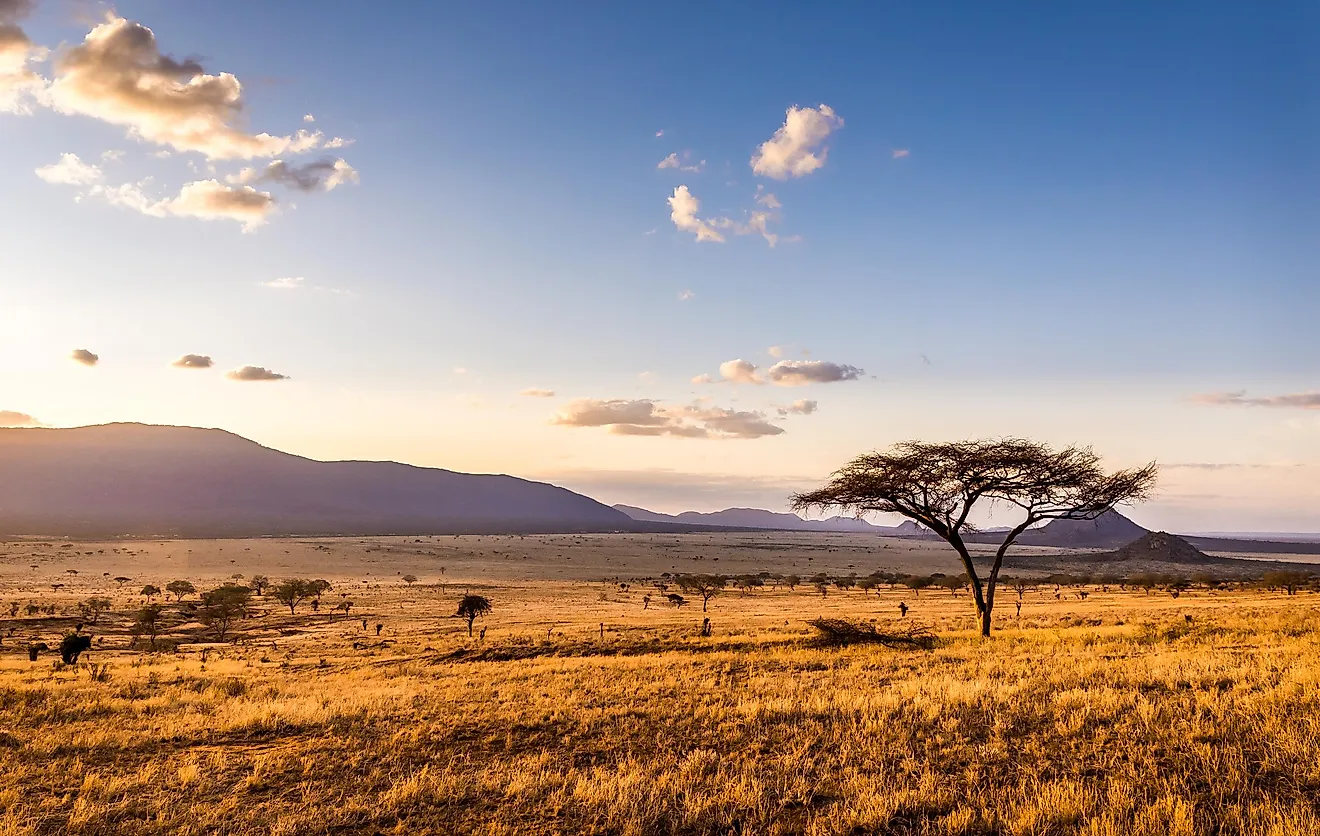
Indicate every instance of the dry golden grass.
{"type": "Point", "coordinates": [1120, 714]}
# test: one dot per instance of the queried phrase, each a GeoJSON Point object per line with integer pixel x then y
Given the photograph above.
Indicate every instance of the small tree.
{"type": "Point", "coordinates": [1286, 579]}
{"type": "Point", "coordinates": [292, 592]}
{"type": "Point", "coordinates": [410, 579]}
{"type": "Point", "coordinates": [916, 583]}
{"type": "Point", "coordinates": [471, 608]}
{"type": "Point", "coordinates": [179, 589]}
{"type": "Point", "coordinates": [148, 622]}
{"type": "Point", "coordinates": [258, 584]}
{"type": "Point", "coordinates": [938, 486]}
{"type": "Point", "coordinates": [707, 586]}
{"type": "Point", "coordinates": [791, 581]}
{"type": "Point", "coordinates": [222, 605]}
{"type": "Point", "coordinates": [93, 607]}
{"type": "Point", "coordinates": [121, 580]}
{"type": "Point", "coordinates": [320, 587]}
{"type": "Point", "coordinates": [150, 591]}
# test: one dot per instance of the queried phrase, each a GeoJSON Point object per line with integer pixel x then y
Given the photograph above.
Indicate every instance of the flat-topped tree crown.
{"type": "Point", "coordinates": [938, 485]}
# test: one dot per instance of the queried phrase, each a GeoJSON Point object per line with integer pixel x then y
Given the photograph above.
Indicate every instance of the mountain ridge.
{"type": "Point", "coordinates": [143, 479]}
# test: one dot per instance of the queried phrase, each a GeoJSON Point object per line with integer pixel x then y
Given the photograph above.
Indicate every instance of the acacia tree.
{"type": "Point", "coordinates": [707, 586]}
{"type": "Point", "coordinates": [292, 592]}
{"type": "Point", "coordinates": [179, 589]}
{"type": "Point", "coordinates": [471, 608]}
{"type": "Point", "coordinates": [938, 484]}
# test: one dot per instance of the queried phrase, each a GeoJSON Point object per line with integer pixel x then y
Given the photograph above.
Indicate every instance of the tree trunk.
{"type": "Point", "coordinates": [469, 628]}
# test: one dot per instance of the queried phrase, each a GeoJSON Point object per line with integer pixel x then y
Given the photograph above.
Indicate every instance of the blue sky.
{"type": "Point", "coordinates": [1085, 223]}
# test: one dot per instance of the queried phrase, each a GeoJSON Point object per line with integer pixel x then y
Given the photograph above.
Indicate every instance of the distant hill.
{"type": "Point", "coordinates": [758, 518]}
{"type": "Point", "coordinates": [1108, 531]}
{"type": "Point", "coordinates": [136, 479]}
{"type": "Point", "coordinates": [1160, 547]}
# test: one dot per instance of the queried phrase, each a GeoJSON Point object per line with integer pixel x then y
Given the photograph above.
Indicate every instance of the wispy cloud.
{"type": "Point", "coordinates": [900, 153]}
{"type": "Point", "coordinates": [682, 163]}
{"type": "Point", "coordinates": [684, 295]}
{"type": "Point", "coordinates": [798, 147]}
{"type": "Point", "coordinates": [783, 373]}
{"type": "Point", "coordinates": [321, 175]}
{"type": "Point", "coordinates": [799, 407]}
{"type": "Point", "coordinates": [537, 393]}
{"type": "Point", "coordinates": [647, 417]}
{"type": "Point", "coordinates": [286, 283]}
{"type": "Point", "coordinates": [9, 418]}
{"type": "Point", "coordinates": [249, 374]}
{"type": "Point", "coordinates": [85, 357]}
{"type": "Point", "coordinates": [1297, 400]}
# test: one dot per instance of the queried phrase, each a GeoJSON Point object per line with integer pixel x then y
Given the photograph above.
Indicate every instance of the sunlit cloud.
{"type": "Point", "coordinates": [119, 75]}
{"type": "Point", "coordinates": [70, 171]}
{"type": "Point", "coordinates": [9, 418]}
{"type": "Point", "coordinates": [799, 407]}
{"type": "Point", "coordinates": [797, 148]}
{"type": "Point", "coordinates": [203, 199]}
{"type": "Point", "coordinates": [20, 86]}
{"type": "Point", "coordinates": [285, 283]}
{"type": "Point", "coordinates": [685, 295]}
{"type": "Point", "coordinates": [537, 393]}
{"type": "Point", "coordinates": [683, 212]}
{"type": "Point", "coordinates": [254, 374]}
{"type": "Point", "coordinates": [900, 153]}
{"type": "Point", "coordinates": [783, 373]}
{"type": "Point", "coordinates": [85, 357]}
{"type": "Point", "coordinates": [649, 418]}
{"type": "Point", "coordinates": [193, 361]}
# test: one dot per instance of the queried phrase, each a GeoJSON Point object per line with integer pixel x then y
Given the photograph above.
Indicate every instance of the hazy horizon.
{"type": "Point", "coordinates": [685, 261]}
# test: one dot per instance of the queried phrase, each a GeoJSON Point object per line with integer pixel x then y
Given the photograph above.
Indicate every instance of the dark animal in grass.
{"type": "Point", "coordinates": [73, 646]}
{"type": "Point", "coordinates": [35, 650]}
{"type": "Point", "coordinates": [902, 609]}
{"type": "Point", "coordinates": [379, 627]}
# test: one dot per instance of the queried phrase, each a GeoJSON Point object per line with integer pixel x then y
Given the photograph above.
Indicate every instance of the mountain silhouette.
{"type": "Point", "coordinates": [147, 480]}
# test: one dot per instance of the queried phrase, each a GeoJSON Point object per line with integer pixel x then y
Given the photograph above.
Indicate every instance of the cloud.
{"type": "Point", "coordinates": [538, 393]}
{"type": "Point", "coordinates": [800, 407]}
{"type": "Point", "coordinates": [285, 283]}
{"type": "Point", "coordinates": [776, 350]}
{"type": "Point", "coordinates": [254, 373]}
{"type": "Point", "coordinates": [683, 212]}
{"type": "Point", "coordinates": [9, 418]}
{"type": "Point", "coordinates": [900, 153]}
{"type": "Point", "coordinates": [768, 200]}
{"type": "Point", "coordinates": [783, 373]}
{"type": "Point", "coordinates": [683, 163]}
{"type": "Point", "coordinates": [660, 132]}
{"type": "Point", "coordinates": [1298, 400]}
{"type": "Point", "coordinates": [193, 361]}
{"type": "Point", "coordinates": [648, 418]}
{"type": "Point", "coordinates": [70, 171]}
{"type": "Point", "coordinates": [20, 86]}
{"type": "Point", "coordinates": [87, 358]}
{"type": "Point", "coordinates": [804, 372]}
{"type": "Point", "coordinates": [792, 151]}
{"type": "Point", "coordinates": [119, 75]}
{"type": "Point", "coordinates": [684, 295]}
{"type": "Point", "coordinates": [739, 371]}
{"type": "Point", "coordinates": [208, 200]}
{"type": "Point", "coordinates": [307, 117]}
{"type": "Point", "coordinates": [322, 175]}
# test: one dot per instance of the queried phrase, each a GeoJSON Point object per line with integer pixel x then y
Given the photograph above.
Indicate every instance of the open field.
{"type": "Point", "coordinates": [581, 711]}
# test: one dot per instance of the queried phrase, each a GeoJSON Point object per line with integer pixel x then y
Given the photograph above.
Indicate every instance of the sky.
{"type": "Point", "coordinates": [684, 257]}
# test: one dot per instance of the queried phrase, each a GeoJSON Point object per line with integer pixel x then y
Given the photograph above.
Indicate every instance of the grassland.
{"type": "Point", "coordinates": [583, 712]}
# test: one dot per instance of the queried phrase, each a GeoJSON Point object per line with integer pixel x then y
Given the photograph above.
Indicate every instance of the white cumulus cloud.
{"type": "Point", "coordinates": [646, 417]}
{"type": "Point", "coordinates": [683, 212]}
{"type": "Point", "coordinates": [798, 147]}
{"type": "Point", "coordinates": [70, 171]}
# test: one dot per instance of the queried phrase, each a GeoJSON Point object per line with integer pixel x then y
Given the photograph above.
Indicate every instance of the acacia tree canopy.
{"type": "Point", "coordinates": [938, 485]}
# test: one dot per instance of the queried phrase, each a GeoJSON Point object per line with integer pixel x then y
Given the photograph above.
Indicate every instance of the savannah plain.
{"type": "Point", "coordinates": [1099, 709]}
